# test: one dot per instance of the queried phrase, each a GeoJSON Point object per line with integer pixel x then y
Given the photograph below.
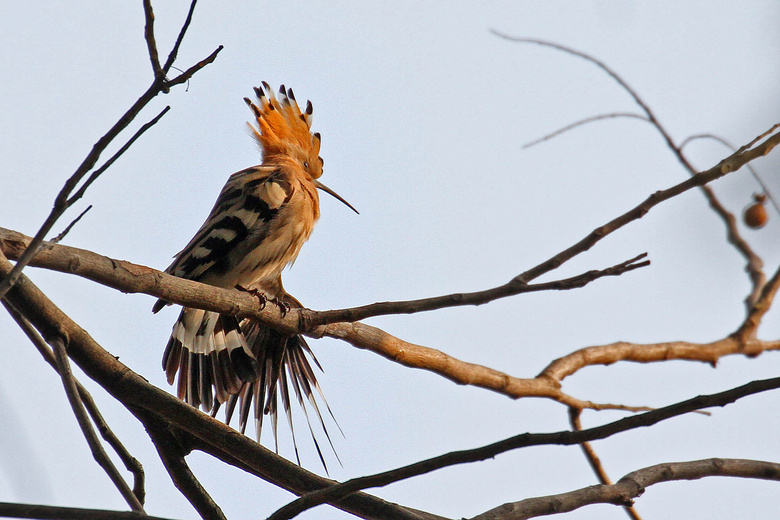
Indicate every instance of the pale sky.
{"type": "Point", "coordinates": [423, 113]}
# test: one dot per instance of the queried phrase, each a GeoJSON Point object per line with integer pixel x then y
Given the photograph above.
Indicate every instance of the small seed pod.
{"type": "Point", "coordinates": [755, 215]}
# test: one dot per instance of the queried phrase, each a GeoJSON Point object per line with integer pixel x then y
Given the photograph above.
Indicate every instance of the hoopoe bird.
{"type": "Point", "coordinates": [257, 226]}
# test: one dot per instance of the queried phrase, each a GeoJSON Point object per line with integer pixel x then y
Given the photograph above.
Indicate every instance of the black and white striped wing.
{"type": "Point", "coordinates": [237, 224]}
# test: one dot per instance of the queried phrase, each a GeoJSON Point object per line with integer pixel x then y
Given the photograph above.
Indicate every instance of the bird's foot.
{"type": "Point", "coordinates": [284, 307]}
{"type": "Point", "coordinates": [262, 298]}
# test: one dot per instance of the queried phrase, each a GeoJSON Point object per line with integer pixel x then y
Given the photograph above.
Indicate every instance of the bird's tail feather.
{"type": "Point", "coordinates": [284, 363]}
{"type": "Point", "coordinates": [210, 355]}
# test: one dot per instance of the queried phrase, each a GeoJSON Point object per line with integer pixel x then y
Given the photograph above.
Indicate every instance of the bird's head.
{"type": "Point", "coordinates": [284, 131]}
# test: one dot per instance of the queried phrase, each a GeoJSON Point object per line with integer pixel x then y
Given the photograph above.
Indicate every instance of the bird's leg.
{"type": "Point", "coordinates": [257, 294]}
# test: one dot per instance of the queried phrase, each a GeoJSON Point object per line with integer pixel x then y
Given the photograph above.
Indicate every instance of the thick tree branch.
{"type": "Point", "coordinates": [172, 454]}
{"type": "Point", "coordinates": [408, 354]}
{"type": "Point", "coordinates": [128, 277]}
{"type": "Point", "coordinates": [132, 278]}
{"type": "Point", "coordinates": [633, 486]}
{"type": "Point", "coordinates": [14, 510]}
{"type": "Point", "coordinates": [208, 434]}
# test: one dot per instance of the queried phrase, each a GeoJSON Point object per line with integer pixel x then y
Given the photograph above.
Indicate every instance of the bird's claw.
{"type": "Point", "coordinates": [257, 294]}
{"type": "Point", "coordinates": [284, 307]}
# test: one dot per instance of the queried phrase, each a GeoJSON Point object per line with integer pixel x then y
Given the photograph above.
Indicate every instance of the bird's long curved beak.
{"type": "Point", "coordinates": [334, 194]}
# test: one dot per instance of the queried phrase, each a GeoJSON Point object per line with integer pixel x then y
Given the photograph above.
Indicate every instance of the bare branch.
{"type": "Point", "coordinates": [172, 454]}
{"type": "Point", "coordinates": [410, 355]}
{"type": "Point", "coordinates": [760, 307]}
{"type": "Point", "coordinates": [312, 319]}
{"type": "Point", "coordinates": [603, 66]}
{"type": "Point", "coordinates": [564, 438]}
{"type": "Point", "coordinates": [95, 174]}
{"type": "Point", "coordinates": [12, 510]}
{"type": "Point", "coordinates": [130, 462]}
{"type": "Point", "coordinates": [203, 432]}
{"type": "Point", "coordinates": [63, 367]}
{"type": "Point", "coordinates": [754, 263]}
{"type": "Point", "coordinates": [63, 200]}
{"type": "Point", "coordinates": [187, 74]}
{"type": "Point", "coordinates": [175, 50]}
{"type": "Point", "coordinates": [594, 461]}
{"type": "Point", "coordinates": [733, 148]}
{"type": "Point", "coordinates": [65, 231]}
{"type": "Point", "coordinates": [724, 167]}
{"type": "Point", "coordinates": [582, 122]}
{"type": "Point", "coordinates": [151, 43]}
{"type": "Point", "coordinates": [632, 486]}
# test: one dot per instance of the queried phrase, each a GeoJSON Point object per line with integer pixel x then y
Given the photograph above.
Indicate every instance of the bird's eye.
{"type": "Point", "coordinates": [306, 164]}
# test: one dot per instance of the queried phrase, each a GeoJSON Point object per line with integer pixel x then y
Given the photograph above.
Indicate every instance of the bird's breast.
{"type": "Point", "coordinates": [283, 237]}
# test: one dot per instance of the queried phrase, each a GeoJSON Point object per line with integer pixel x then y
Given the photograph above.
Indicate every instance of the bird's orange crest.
{"type": "Point", "coordinates": [283, 130]}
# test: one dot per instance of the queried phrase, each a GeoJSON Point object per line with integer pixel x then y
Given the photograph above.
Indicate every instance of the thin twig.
{"type": "Point", "coordinates": [70, 226]}
{"type": "Point", "coordinates": [63, 366]}
{"type": "Point", "coordinates": [151, 42]}
{"type": "Point", "coordinates": [733, 148]}
{"type": "Point", "coordinates": [175, 50]}
{"type": "Point", "coordinates": [564, 438]}
{"type": "Point", "coordinates": [582, 122]}
{"type": "Point", "coordinates": [95, 174]}
{"type": "Point", "coordinates": [187, 74]}
{"type": "Point", "coordinates": [724, 167]}
{"type": "Point", "coordinates": [312, 319]}
{"type": "Point", "coordinates": [594, 461]}
{"type": "Point", "coordinates": [130, 462]}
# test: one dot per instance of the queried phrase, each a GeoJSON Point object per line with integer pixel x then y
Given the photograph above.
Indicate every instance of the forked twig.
{"type": "Point", "coordinates": [754, 262]}
{"type": "Point", "coordinates": [64, 199]}
{"type": "Point", "coordinates": [130, 462]}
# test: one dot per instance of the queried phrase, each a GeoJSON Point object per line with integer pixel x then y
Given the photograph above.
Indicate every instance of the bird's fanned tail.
{"type": "Point", "coordinates": [284, 364]}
